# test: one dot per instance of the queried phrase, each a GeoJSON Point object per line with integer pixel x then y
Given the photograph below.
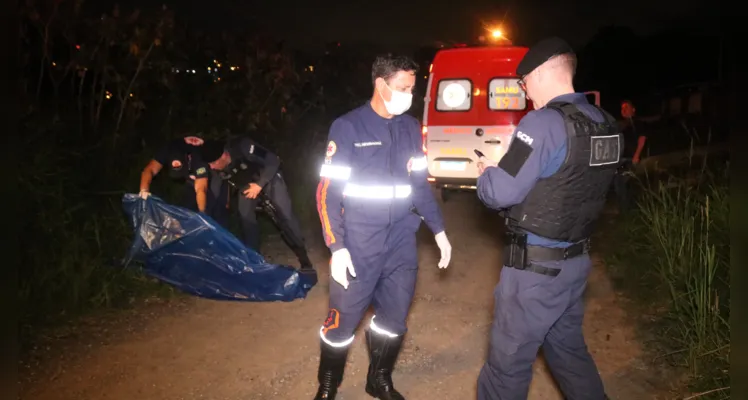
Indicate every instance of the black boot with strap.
{"type": "Point", "coordinates": [331, 369]}
{"type": "Point", "coordinates": [383, 351]}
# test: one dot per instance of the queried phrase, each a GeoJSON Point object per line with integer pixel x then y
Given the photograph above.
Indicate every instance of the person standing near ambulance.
{"type": "Point", "coordinates": [376, 170]}
{"type": "Point", "coordinates": [551, 185]}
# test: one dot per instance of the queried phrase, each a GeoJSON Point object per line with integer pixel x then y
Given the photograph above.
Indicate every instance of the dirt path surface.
{"type": "Point", "coordinates": [201, 349]}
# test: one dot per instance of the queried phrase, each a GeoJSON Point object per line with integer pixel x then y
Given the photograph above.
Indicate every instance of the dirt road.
{"type": "Point", "coordinates": [200, 349]}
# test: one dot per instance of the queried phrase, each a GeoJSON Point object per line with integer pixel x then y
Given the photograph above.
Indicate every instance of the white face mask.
{"type": "Point", "coordinates": [399, 103]}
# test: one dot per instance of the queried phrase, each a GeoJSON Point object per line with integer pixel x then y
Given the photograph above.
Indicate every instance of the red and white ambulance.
{"type": "Point", "coordinates": [473, 101]}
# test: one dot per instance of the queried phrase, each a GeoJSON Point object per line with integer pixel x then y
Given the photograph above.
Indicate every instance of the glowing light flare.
{"type": "Point", "coordinates": [496, 34]}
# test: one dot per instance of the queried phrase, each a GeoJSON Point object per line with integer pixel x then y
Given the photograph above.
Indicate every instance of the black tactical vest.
{"type": "Point", "coordinates": [566, 205]}
{"type": "Point", "coordinates": [241, 172]}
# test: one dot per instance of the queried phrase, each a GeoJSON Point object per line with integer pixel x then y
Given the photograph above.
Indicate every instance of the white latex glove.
{"type": "Point", "coordinates": [144, 194]}
{"type": "Point", "coordinates": [339, 265]}
{"type": "Point", "coordinates": [445, 247]}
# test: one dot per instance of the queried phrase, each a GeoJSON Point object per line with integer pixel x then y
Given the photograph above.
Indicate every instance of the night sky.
{"type": "Point", "coordinates": [420, 22]}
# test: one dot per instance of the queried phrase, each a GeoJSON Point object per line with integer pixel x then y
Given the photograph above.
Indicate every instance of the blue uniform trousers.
{"type": "Point", "coordinates": [277, 192]}
{"type": "Point", "coordinates": [386, 263]}
{"type": "Point", "coordinates": [532, 311]}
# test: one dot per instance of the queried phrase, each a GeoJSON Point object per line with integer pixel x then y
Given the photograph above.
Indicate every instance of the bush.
{"type": "Point", "coordinates": [673, 251]}
{"type": "Point", "coordinates": [100, 93]}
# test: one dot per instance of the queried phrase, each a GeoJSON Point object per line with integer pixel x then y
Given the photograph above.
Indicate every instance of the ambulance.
{"type": "Point", "coordinates": [473, 102]}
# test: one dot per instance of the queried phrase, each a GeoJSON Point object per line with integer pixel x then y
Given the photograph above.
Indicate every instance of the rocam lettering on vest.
{"type": "Point", "coordinates": [524, 137]}
{"type": "Point", "coordinates": [604, 150]}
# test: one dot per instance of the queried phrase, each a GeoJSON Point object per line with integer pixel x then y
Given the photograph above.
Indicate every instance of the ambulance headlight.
{"type": "Point", "coordinates": [454, 95]}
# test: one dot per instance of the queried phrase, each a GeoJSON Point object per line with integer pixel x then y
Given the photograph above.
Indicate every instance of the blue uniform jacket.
{"type": "Point", "coordinates": [547, 133]}
{"type": "Point", "coordinates": [374, 173]}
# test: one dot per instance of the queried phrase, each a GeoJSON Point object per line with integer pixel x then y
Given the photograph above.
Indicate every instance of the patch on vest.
{"type": "Point", "coordinates": [518, 153]}
{"type": "Point", "coordinates": [604, 150]}
{"type": "Point", "coordinates": [331, 149]}
{"type": "Point", "coordinates": [194, 141]}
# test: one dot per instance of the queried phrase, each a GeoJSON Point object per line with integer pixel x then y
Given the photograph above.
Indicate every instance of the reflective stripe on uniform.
{"type": "Point", "coordinates": [419, 164]}
{"type": "Point", "coordinates": [376, 192]}
{"type": "Point", "coordinates": [335, 172]}
{"type": "Point", "coordinates": [334, 344]}
{"type": "Point", "coordinates": [324, 184]}
{"type": "Point", "coordinates": [377, 329]}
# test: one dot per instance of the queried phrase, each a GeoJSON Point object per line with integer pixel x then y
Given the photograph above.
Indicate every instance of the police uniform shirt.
{"type": "Point", "coordinates": [544, 131]}
{"type": "Point", "coordinates": [182, 160]}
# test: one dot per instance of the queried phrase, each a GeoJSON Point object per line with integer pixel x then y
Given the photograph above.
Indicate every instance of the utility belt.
{"type": "Point", "coordinates": [519, 255]}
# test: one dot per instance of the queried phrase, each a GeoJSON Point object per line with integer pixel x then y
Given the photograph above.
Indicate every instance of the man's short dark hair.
{"type": "Point", "coordinates": [386, 66]}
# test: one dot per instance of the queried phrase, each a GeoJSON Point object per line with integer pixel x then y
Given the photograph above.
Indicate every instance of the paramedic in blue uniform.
{"type": "Point", "coordinates": [551, 186]}
{"type": "Point", "coordinates": [375, 169]}
{"type": "Point", "coordinates": [255, 172]}
{"type": "Point", "coordinates": [182, 158]}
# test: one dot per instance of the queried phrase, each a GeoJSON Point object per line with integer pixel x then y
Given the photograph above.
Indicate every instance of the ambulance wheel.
{"type": "Point", "coordinates": [445, 193]}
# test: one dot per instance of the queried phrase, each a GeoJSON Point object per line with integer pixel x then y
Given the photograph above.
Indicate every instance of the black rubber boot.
{"type": "Point", "coordinates": [331, 368]}
{"type": "Point", "coordinates": [303, 257]}
{"type": "Point", "coordinates": [383, 353]}
{"type": "Point", "coordinates": [306, 268]}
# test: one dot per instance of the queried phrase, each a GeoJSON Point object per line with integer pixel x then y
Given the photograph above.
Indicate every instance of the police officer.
{"type": "Point", "coordinates": [633, 145]}
{"type": "Point", "coordinates": [182, 158]}
{"type": "Point", "coordinates": [375, 169]}
{"type": "Point", "coordinates": [552, 185]}
{"type": "Point", "coordinates": [255, 172]}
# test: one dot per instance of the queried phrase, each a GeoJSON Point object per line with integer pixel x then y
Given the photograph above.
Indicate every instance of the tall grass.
{"type": "Point", "coordinates": [678, 241]}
